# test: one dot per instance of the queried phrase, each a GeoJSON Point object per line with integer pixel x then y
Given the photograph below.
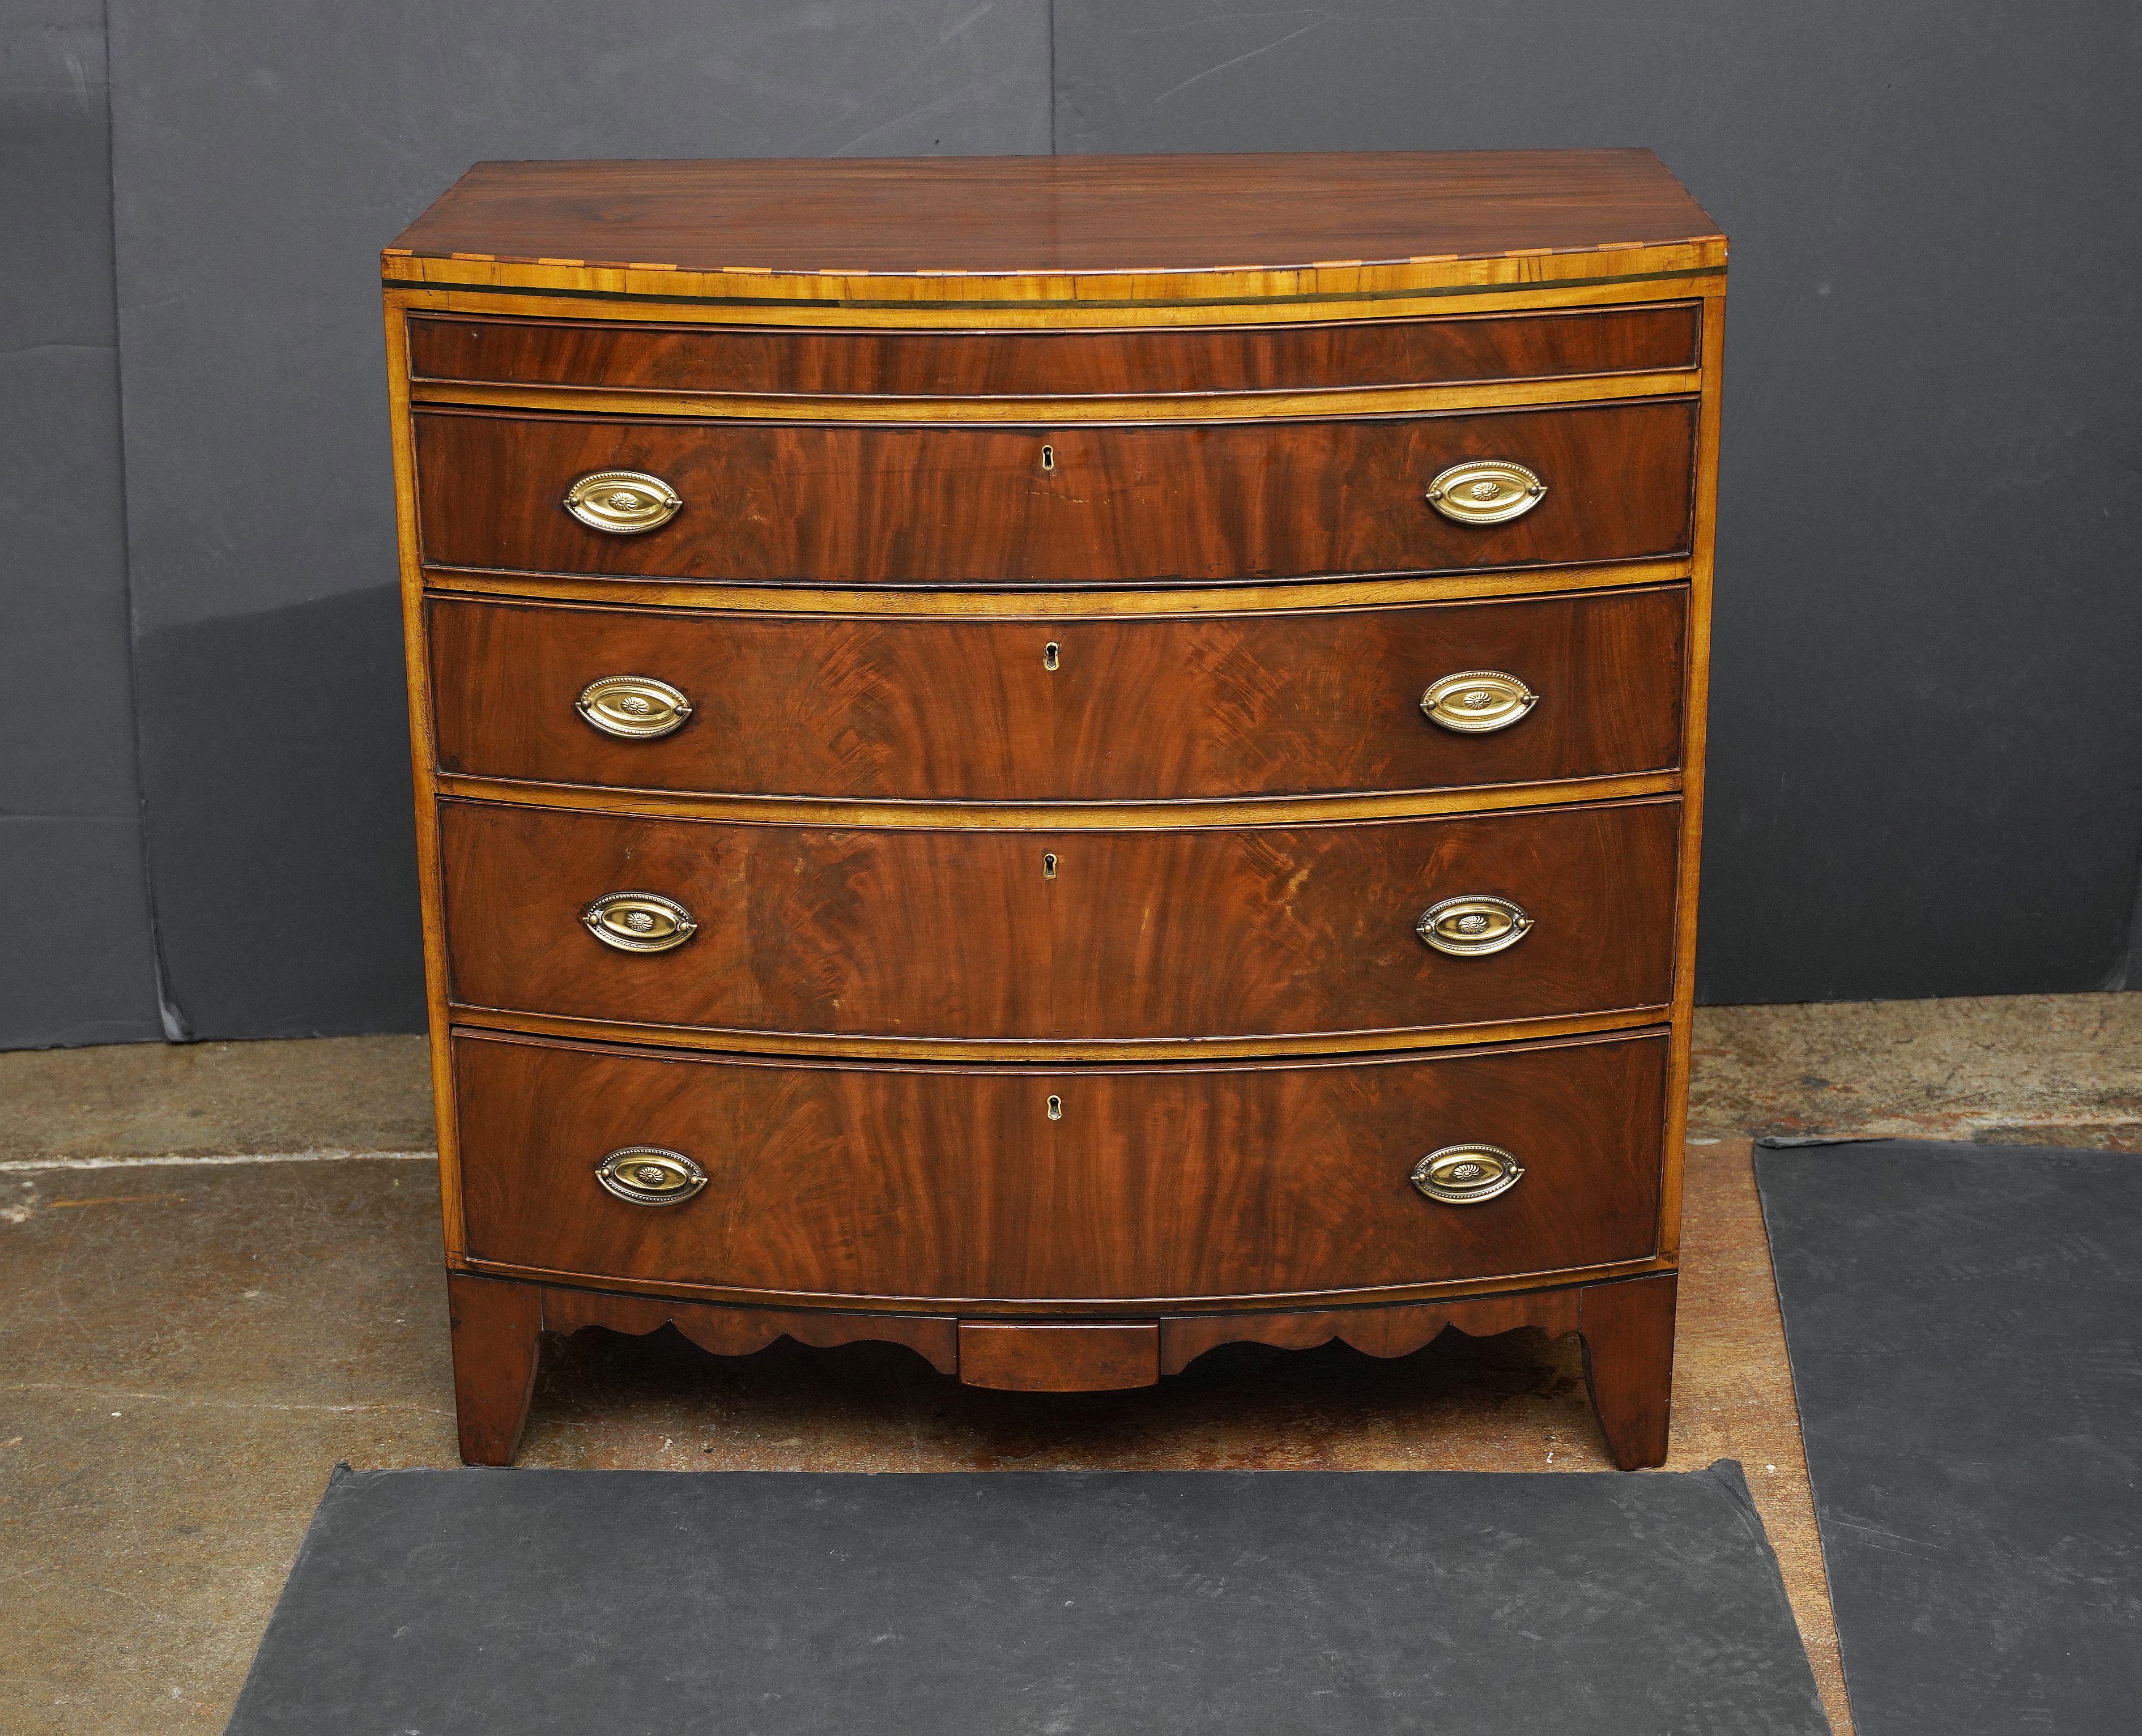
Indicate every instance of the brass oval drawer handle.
{"type": "Point", "coordinates": [1477, 701]}
{"type": "Point", "coordinates": [650, 1175]}
{"type": "Point", "coordinates": [1474, 925]}
{"type": "Point", "coordinates": [638, 922]}
{"type": "Point", "coordinates": [1485, 491]}
{"type": "Point", "coordinates": [1467, 1175]}
{"type": "Point", "coordinates": [624, 503]}
{"type": "Point", "coordinates": [635, 708]}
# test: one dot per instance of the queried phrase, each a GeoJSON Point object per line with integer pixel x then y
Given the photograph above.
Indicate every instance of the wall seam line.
{"type": "Point", "coordinates": [169, 1014]}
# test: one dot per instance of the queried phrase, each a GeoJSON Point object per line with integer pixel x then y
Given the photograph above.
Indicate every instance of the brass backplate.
{"type": "Point", "coordinates": [623, 503]}
{"type": "Point", "coordinates": [1477, 701]}
{"type": "Point", "coordinates": [638, 922]}
{"type": "Point", "coordinates": [1467, 1175]}
{"type": "Point", "coordinates": [1485, 491]}
{"type": "Point", "coordinates": [1478, 923]}
{"type": "Point", "coordinates": [650, 1175]}
{"type": "Point", "coordinates": [632, 707]}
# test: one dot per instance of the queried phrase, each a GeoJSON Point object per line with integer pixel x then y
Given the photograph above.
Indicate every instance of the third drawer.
{"type": "Point", "coordinates": [1065, 936]}
{"type": "Point", "coordinates": [1422, 697]}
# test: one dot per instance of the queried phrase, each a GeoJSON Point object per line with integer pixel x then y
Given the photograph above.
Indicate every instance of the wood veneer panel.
{"type": "Point", "coordinates": [1212, 706]}
{"type": "Point", "coordinates": [772, 359]}
{"type": "Point", "coordinates": [1398, 1330]}
{"type": "Point", "coordinates": [1222, 931]}
{"type": "Point", "coordinates": [1183, 1182]}
{"type": "Point", "coordinates": [1070, 505]}
{"type": "Point", "coordinates": [1069, 214]}
{"type": "Point", "coordinates": [743, 1331]}
{"type": "Point", "coordinates": [1059, 1358]}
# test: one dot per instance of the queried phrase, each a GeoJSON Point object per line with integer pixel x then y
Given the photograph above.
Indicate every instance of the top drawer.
{"type": "Point", "coordinates": [766, 360]}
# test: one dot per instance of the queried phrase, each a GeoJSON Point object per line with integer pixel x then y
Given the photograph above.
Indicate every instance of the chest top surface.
{"type": "Point", "coordinates": [1047, 217]}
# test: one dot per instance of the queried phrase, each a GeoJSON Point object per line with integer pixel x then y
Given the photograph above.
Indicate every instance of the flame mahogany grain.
{"type": "Point", "coordinates": [970, 505]}
{"type": "Point", "coordinates": [842, 1183]}
{"type": "Point", "coordinates": [1046, 364]}
{"type": "Point", "coordinates": [1224, 931]}
{"type": "Point", "coordinates": [1202, 706]}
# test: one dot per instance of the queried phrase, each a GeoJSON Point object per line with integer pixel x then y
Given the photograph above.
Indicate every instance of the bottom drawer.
{"type": "Point", "coordinates": [1070, 1184]}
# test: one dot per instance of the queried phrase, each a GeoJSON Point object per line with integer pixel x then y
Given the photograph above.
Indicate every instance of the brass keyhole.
{"type": "Point", "coordinates": [1050, 654]}
{"type": "Point", "coordinates": [1048, 457]}
{"type": "Point", "coordinates": [1056, 1109]}
{"type": "Point", "coordinates": [1049, 865]}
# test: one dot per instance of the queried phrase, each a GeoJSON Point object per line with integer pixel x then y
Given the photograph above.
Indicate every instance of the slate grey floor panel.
{"type": "Point", "coordinates": [443, 1603]}
{"type": "Point", "coordinates": [1964, 1323]}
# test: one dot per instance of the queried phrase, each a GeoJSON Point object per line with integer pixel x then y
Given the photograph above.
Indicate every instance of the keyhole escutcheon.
{"type": "Point", "coordinates": [1048, 457]}
{"type": "Point", "coordinates": [1049, 865]}
{"type": "Point", "coordinates": [1056, 1109]}
{"type": "Point", "coordinates": [1051, 655]}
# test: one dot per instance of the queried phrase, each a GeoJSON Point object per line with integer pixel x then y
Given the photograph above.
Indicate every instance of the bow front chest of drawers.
{"type": "Point", "coordinates": [1059, 760]}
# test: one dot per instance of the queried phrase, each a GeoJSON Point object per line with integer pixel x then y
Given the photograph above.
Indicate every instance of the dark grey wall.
{"type": "Point", "coordinates": [77, 964]}
{"type": "Point", "coordinates": [264, 152]}
{"type": "Point", "coordinates": [1926, 730]}
{"type": "Point", "coordinates": [1927, 748]}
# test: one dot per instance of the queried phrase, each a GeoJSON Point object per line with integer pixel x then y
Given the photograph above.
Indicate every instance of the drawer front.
{"type": "Point", "coordinates": [634, 357]}
{"type": "Point", "coordinates": [1261, 931]}
{"type": "Point", "coordinates": [1213, 706]}
{"type": "Point", "coordinates": [972, 505]}
{"type": "Point", "coordinates": [1162, 1182]}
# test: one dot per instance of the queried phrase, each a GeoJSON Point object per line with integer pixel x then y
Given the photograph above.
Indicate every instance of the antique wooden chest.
{"type": "Point", "coordinates": [1059, 760]}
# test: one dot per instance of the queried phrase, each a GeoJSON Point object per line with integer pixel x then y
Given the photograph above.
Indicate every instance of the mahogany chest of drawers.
{"type": "Point", "coordinates": [1059, 760]}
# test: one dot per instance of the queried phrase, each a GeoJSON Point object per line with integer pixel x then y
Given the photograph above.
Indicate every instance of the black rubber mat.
{"type": "Point", "coordinates": [1965, 1330]}
{"type": "Point", "coordinates": [614, 1603]}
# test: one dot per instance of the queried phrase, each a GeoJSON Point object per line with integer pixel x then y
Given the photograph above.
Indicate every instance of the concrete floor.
{"type": "Point", "coordinates": [222, 1278]}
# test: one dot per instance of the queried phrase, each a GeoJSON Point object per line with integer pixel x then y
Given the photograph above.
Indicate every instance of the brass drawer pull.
{"type": "Point", "coordinates": [1485, 491]}
{"type": "Point", "coordinates": [635, 707]}
{"type": "Point", "coordinates": [650, 1175]}
{"type": "Point", "coordinates": [1476, 702]}
{"type": "Point", "coordinates": [638, 922]}
{"type": "Point", "coordinates": [1467, 1175]}
{"type": "Point", "coordinates": [623, 503]}
{"type": "Point", "coordinates": [1474, 925]}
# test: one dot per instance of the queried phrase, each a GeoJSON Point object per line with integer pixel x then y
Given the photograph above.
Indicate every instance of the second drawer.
{"type": "Point", "coordinates": [1428, 696]}
{"type": "Point", "coordinates": [1061, 936]}
{"type": "Point", "coordinates": [993, 505]}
